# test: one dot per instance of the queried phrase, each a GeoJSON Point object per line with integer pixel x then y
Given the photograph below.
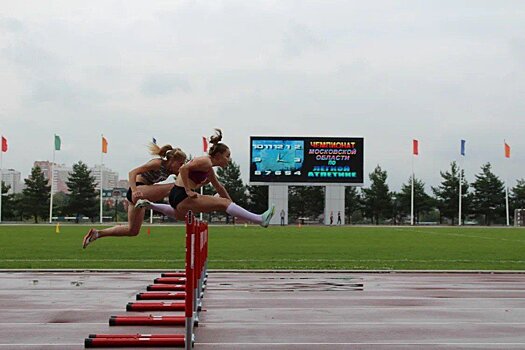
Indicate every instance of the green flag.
{"type": "Point", "coordinates": [57, 143]}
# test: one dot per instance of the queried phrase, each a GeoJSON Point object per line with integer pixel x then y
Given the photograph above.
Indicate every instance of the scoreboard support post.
{"type": "Point", "coordinates": [278, 196]}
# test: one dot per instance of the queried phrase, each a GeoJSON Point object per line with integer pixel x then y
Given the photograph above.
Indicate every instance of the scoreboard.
{"type": "Point", "coordinates": [306, 160]}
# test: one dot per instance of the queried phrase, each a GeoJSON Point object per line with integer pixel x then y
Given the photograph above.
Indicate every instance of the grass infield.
{"type": "Point", "coordinates": [290, 247]}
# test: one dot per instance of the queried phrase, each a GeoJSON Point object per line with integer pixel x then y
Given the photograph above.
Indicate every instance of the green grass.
{"type": "Point", "coordinates": [309, 247]}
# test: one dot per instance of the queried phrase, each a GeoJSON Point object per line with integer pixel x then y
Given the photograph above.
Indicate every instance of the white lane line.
{"type": "Point", "coordinates": [363, 343]}
{"type": "Point", "coordinates": [52, 323]}
{"type": "Point", "coordinates": [42, 344]}
{"type": "Point", "coordinates": [269, 344]}
{"type": "Point", "coordinates": [461, 235]}
{"type": "Point", "coordinates": [269, 260]}
{"type": "Point", "coordinates": [337, 323]}
{"type": "Point", "coordinates": [94, 260]}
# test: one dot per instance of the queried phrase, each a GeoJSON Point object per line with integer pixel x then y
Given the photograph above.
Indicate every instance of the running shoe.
{"type": "Point", "coordinates": [89, 237]}
{"type": "Point", "coordinates": [142, 203]}
{"type": "Point", "coordinates": [267, 216]}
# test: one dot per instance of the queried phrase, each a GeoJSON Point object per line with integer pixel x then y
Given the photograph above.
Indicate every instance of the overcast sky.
{"type": "Point", "coordinates": [388, 71]}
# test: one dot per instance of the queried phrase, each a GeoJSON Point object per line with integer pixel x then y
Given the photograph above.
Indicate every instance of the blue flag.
{"type": "Point", "coordinates": [463, 147]}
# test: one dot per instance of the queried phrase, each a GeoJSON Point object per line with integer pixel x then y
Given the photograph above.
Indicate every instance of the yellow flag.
{"type": "Point", "coordinates": [57, 228]}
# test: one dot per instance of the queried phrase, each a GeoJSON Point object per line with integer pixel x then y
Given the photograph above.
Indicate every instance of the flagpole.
{"type": "Point", "coordinates": [461, 153]}
{"type": "Point", "coordinates": [1, 179]}
{"type": "Point", "coordinates": [415, 151]}
{"type": "Point", "coordinates": [52, 187]}
{"type": "Point", "coordinates": [507, 202]}
{"type": "Point", "coordinates": [412, 195]}
{"type": "Point", "coordinates": [459, 213]}
{"type": "Point", "coordinates": [101, 162]}
{"type": "Point", "coordinates": [507, 155]}
{"type": "Point", "coordinates": [506, 187]}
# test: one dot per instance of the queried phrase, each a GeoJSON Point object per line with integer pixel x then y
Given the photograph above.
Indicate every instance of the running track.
{"type": "Point", "coordinates": [284, 310]}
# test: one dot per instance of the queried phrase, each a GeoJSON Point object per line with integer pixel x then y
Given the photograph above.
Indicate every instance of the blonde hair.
{"type": "Point", "coordinates": [167, 152]}
{"type": "Point", "coordinates": [217, 146]}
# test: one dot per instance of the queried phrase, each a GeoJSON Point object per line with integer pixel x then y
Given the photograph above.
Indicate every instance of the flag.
{"type": "Point", "coordinates": [58, 143]}
{"type": "Point", "coordinates": [4, 144]}
{"type": "Point", "coordinates": [204, 144]}
{"type": "Point", "coordinates": [154, 140]}
{"type": "Point", "coordinates": [462, 147]}
{"type": "Point", "coordinates": [104, 145]}
{"type": "Point", "coordinates": [415, 147]}
{"type": "Point", "coordinates": [507, 150]}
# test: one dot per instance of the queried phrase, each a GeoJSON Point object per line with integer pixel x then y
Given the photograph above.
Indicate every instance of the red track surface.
{"type": "Point", "coordinates": [278, 310]}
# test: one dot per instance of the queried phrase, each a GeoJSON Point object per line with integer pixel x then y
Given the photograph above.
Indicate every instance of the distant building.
{"type": "Point", "coordinates": [109, 177]}
{"type": "Point", "coordinates": [61, 174]}
{"type": "Point", "coordinates": [11, 178]}
{"type": "Point", "coordinates": [123, 184]}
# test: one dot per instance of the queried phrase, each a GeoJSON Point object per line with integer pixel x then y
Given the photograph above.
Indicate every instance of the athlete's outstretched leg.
{"type": "Point", "coordinates": [164, 209]}
{"type": "Point", "coordinates": [206, 204]}
{"type": "Point", "coordinates": [135, 219]}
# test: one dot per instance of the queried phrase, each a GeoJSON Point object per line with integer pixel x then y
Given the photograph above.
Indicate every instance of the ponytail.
{"type": "Point", "coordinates": [217, 146]}
{"type": "Point", "coordinates": [167, 152]}
{"type": "Point", "coordinates": [155, 150]}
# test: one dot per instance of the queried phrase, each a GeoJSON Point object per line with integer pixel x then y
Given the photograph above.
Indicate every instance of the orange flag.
{"type": "Point", "coordinates": [507, 150]}
{"type": "Point", "coordinates": [104, 145]}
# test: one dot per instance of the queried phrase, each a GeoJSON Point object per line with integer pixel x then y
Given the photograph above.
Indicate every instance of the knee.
{"type": "Point", "coordinates": [224, 204]}
{"type": "Point", "coordinates": [133, 231]}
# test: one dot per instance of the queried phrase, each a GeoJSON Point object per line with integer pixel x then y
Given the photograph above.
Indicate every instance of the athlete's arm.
{"type": "Point", "coordinates": [153, 164]}
{"type": "Point", "coordinates": [217, 185]}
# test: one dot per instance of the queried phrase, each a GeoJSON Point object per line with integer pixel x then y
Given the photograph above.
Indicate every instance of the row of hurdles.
{"type": "Point", "coordinates": [188, 286]}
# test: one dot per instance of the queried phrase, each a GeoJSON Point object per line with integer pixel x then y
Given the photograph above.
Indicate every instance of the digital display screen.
{"type": "Point", "coordinates": [306, 159]}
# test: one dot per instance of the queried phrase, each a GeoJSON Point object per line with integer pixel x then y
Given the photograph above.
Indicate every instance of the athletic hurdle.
{"type": "Point", "coordinates": [196, 258]}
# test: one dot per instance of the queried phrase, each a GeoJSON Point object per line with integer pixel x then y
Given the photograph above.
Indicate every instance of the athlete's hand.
{"type": "Point", "coordinates": [137, 195]}
{"type": "Point", "coordinates": [192, 194]}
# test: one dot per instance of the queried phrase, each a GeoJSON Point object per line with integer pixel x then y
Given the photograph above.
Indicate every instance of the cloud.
{"type": "Point", "coordinates": [11, 24]}
{"type": "Point", "coordinates": [299, 38]}
{"type": "Point", "coordinates": [164, 84]}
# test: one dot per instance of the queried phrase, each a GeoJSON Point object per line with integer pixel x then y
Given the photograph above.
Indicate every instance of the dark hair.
{"type": "Point", "coordinates": [217, 147]}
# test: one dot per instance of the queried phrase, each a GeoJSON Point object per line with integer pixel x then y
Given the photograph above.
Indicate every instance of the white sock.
{"type": "Point", "coordinates": [165, 209]}
{"type": "Point", "coordinates": [239, 212]}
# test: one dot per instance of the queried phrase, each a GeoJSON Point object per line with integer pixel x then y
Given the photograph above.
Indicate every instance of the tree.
{"type": "Point", "coordinates": [305, 201]}
{"type": "Point", "coordinates": [517, 196]}
{"type": "Point", "coordinates": [489, 195]}
{"type": "Point", "coordinates": [423, 203]}
{"type": "Point", "coordinates": [8, 203]}
{"type": "Point", "coordinates": [36, 195]}
{"type": "Point", "coordinates": [83, 196]}
{"type": "Point", "coordinates": [447, 193]}
{"type": "Point", "coordinates": [60, 204]}
{"type": "Point", "coordinates": [352, 202]}
{"type": "Point", "coordinates": [230, 177]}
{"type": "Point", "coordinates": [257, 199]}
{"type": "Point", "coordinates": [377, 199]}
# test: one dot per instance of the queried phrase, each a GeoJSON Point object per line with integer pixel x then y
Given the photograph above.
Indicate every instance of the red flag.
{"type": "Point", "coordinates": [4, 144]}
{"type": "Point", "coordinates": [104, 145]}
{"type": "Point", "coordinates": [204, 144]}
{"type": "Point", "coordinates": [507, 151]}
{"type": "Point", "coordinates": [415, 147]}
